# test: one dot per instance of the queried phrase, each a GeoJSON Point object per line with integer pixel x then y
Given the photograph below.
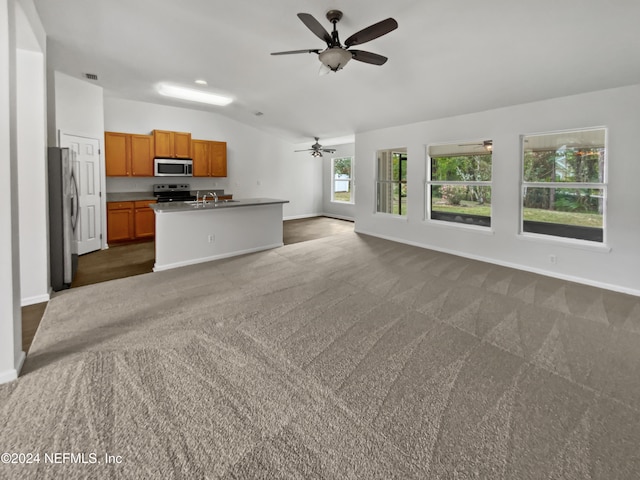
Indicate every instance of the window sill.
{"type": "Point", "coordinates": [341, 203]}
{"type": "Point", "coordinates": [566, 242]}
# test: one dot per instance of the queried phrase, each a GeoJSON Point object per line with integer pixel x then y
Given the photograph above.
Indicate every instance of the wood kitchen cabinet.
{"type": "Point", "coordinates": [127, 221]}
{"type": "Point", "coordinates": [144, 219]}
{"type": "Point", "coordinates": [120, 222]}
{"type": "Point", "coordinates": [128, 154]}
{"type": "Point", "coordinates": [169, 144]}
{"type": "Point", "coordinates": [209, 158]}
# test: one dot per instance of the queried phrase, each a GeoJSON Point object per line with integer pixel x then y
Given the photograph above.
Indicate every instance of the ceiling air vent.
{"type": "Point", "coordinates": [91, 76]}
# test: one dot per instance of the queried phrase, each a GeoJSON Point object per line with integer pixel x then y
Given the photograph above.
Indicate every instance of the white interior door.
{"type": "Point", "coordinates": [86, 169]}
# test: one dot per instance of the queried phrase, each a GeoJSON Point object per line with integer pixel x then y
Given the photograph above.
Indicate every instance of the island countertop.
{"type": "Point", "coordinates": [168, 207]}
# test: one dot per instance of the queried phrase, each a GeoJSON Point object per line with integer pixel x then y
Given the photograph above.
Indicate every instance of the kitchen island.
{"type": "Point", "coordinates": [190, 232]}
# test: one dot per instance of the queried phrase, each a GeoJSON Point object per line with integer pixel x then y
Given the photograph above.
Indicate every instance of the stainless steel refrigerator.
{"type": "Point", "coordinates": [63, 218]}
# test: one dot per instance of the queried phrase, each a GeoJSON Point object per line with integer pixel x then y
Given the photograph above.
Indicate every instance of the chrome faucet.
{"type": "Point", "coordinates": [197, 195]}
{"type": "Point", "coordinates": [204, 198]}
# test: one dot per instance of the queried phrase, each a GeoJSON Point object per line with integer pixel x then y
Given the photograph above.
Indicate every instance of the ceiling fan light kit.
{"type": "Point", "coordinates": [336, 56]}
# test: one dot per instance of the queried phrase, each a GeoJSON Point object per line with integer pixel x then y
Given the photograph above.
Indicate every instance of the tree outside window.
{"type": "Point", "coordinates": [342, 180]}
{"type": "Point", "coordinates": [563, 184]}
{"type": "Point", "coordinates": [459, 186]}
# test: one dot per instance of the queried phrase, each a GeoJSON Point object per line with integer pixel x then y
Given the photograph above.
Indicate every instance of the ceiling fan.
{"type": "Point", "coordinates": [486, 144]}
{"type": "Point", "coordinates": [317, 149]}
{"type": "Point", "coordinates": [336, 56]}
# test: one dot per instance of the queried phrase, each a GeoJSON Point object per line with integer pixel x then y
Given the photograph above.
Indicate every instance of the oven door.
{"type": "Point", "coordinates": [169, 167]}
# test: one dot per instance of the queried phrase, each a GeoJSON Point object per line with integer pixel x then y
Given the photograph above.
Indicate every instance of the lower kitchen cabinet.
{"type": "Point", "coordinates": [120, 222]}
{"type": "Point", "coordinates": [127, 221]}
{"type": "Point", "coordinates": [144, 219]}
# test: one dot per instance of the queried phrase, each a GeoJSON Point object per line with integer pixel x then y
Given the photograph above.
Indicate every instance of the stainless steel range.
{"type": "Point", "coordinates": [173, 192]}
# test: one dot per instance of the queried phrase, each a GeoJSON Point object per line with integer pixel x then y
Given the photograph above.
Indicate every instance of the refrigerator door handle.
{"type": "Point", "coordinates": [75, 202]}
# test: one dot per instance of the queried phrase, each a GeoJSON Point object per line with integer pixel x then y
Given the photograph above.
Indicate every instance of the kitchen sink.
{"type": "Point", "coordinates": [193, 203]}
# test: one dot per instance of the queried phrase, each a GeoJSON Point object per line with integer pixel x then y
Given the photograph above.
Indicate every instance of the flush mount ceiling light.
{"type": "Point", "coordinates": [201, 82]}
{"type": "Point", "coordinates": [193, 95]}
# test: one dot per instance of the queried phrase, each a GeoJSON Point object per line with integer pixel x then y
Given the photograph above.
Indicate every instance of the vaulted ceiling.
{"type": "Point", "coordinates": [447, 57]}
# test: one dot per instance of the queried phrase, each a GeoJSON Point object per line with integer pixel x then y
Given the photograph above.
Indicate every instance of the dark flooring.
{"type": "Point", "coordinates": [127, 260]}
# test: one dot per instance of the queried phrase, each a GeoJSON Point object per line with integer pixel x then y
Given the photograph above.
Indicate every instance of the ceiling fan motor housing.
{"type": "Point", "coordinates": [334, 16]}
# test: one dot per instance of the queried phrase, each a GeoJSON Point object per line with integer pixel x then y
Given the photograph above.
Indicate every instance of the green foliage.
{"type": "Point", "coordinates": [342, 166]}
{"type": "Point", "coordinates": [464, 168]}
{"type": "Point", "coordinates": [564, 165]}
{"type": "Point", "coordinates": [453, 194]}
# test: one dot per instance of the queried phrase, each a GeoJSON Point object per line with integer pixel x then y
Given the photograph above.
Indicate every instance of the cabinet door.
{"type": "Point", "coordinates": [142, 155]}
{"type": "Point", "coordinates": [200, 151]}
{"type": "Point", "coordinates": [120, 222]}
{"type": "Point", "coordinates": [145, 220]}
{"type": "Point", "coordinates": [116, 154]}
{"type": "Point", "coordinates": [181, 145]}
{"type": "Point", "coordinates": [218, 158]}
{"type": "Point", "coordinates": [163, 143]}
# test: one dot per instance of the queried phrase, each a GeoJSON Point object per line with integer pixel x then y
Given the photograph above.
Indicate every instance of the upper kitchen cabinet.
{"type": "Point", "coordinates": [172, 144]}
{"type": "Point", "coordinates": [209, 158]}
{"type": "Point", "coordinates": [128, 154]}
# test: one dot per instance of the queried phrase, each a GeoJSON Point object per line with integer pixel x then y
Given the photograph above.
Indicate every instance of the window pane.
{"type": "Point", "coordinates": [342, 167]}
{"type": "Point", "coordinates": [468, 168]}
{"type": "Point", "coordinates": [342, 186]}
{"type": "Point", "coordinates": [342, 191]}
{"type": "Point", "coordinates": [468, 204]}
{"type": "Point", "coordinates": [392, 198]}
{"type": "Point", "coordinates": [391, 190]}
{"type": "Point", "coordinates": [564, 212]}
{"type": "Point", "coordinates": [400, 166]}
{"type": "Point", "coordinates": [576, 157]}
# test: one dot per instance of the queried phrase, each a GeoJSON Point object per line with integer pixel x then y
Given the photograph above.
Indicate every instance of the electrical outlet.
{"type": "Point", "coordinates": [553, 259]}
{"type": "Point", "coordinates": [211, 238]}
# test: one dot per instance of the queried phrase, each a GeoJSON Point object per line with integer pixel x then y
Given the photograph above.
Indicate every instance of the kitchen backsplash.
{"type": "Point", "coordinates": [145, 184]}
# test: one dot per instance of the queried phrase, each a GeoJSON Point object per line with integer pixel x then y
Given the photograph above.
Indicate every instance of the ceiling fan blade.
{"type": "Point", "coordinates": [314, 25]}
{"type": "Point", "coordinates": [315, 50]}
{"type": "Point", "coordinates": [307, 150]}
{"type": "Point", "coordinates": [374, 31]}
{"type": "Point", "coordinates": [368, 57]}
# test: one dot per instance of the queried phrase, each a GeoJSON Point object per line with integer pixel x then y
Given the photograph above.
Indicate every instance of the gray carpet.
{"type": "Point", "coordinates": [343, 357]}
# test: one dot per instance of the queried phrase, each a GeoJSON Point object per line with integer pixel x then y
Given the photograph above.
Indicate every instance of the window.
{"type": "Point", "coordinates": [391, 186]}
{"type": "Point", "coordinates": [342, 180]}
{"type": "Point", "coordinates": [564, 188]}
{"type": "Point", "coordinates": [459, 184]}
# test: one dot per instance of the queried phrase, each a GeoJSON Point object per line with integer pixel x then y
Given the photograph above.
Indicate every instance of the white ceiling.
{"type": "Point", "coordinates": [447, 57]}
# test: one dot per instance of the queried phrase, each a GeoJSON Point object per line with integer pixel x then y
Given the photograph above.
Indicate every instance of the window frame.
{"type": "Point", "coordinates": [350, 180]}
{"type": "Point", "coordinates": [603, 186]}
{"type": "Point", "coordinates": [402, 152]}
{"type": "Point", "coordinates": [429, 183]}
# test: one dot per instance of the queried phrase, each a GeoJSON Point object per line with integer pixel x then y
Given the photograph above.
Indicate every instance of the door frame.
{"type": "Point", "coordinates": [103, 180]}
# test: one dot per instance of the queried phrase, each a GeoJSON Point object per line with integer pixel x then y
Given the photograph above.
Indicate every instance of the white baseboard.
{"type": "Point", "coordinates": [36, 299]}
{"type": "Point", "coordinates": [306, 215]}
{"type": "Point", "coordinates": [539, 271]}
{"type": "Point", "coordinates": [12, 374]}
{"type": "Point", "coordinates": [313, 215]}
{"type": "Point", "coordinates": [339, 217]}
{"type": "Point", "coordinates": [160, 268]}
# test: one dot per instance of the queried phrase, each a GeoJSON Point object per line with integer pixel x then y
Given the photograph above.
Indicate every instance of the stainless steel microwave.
{"type": "Point", "coordinates": [172, 167]}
